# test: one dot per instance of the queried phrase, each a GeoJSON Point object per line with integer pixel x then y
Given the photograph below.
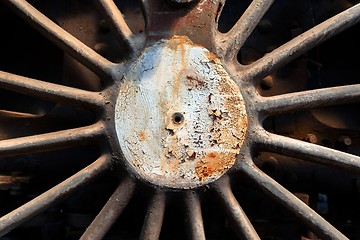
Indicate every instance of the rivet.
{"type": "Point", "coordinates": [101, 48]}
{"type": "Point", "coordinates": [267, 82]}
{"type": "Point", "coordinates": [345, 140]}
{"type": "Point", "coordinates": [311, 138]}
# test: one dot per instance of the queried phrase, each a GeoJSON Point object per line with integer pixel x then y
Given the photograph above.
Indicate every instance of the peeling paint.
{"type": "Point", "coordinates": [180, 119]}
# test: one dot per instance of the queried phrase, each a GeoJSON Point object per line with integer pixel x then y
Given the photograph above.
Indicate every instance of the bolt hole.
{"type": "Point", "coordinates": [178, 118]}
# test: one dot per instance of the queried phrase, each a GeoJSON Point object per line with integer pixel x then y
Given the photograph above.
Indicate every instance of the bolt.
{"type": "Point", "coordinates": [270, 164]}
{"type": "Point", "coordinates": [311, 138]}
{"type": "Point", "coordinates": [265, 26]}
{"type": "Point", "coordinates": [101, 48]}
{"type": "Point", "coordinates": [267, 82]}
{"type": "Point", "coordinates": [345, 140]}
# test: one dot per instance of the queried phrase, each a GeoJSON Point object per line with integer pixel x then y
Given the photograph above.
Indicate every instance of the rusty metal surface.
{"type": "Point", "coordinates": [241, 224]}
{"type": "Point", "coordinates": [111, 211]}
{"type": "Point", "coordinates": [54, 195]}
{"type": "Point", "coordinates": [178, 111]}
{"type": "Point", "coordinates": [154, 217]}
{"type": "Point", "coordinates": [301, 44]}
{"type": "Point", "coordinates": [50, 91]}
{"type": "Point", "coordinates": [313, 220]}
{"type": "Point", "coordinates": [196, 21]}
{"type": "Point", "coordinates": [193, 216]}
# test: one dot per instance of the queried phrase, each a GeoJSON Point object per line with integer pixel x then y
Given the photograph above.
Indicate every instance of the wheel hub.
{"type": "Point", "coordinates": [180, 120]}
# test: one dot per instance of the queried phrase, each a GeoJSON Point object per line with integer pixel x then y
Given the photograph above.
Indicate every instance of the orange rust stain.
{"type": "Point", "coordinates": [190, 78]}
{"type": "Point", "coordinates": [238, 120]}
{"type": "Point", "coordinates": [195, 17]}
{"type": "Point", "coordinates": [211, 56]}
{"type": "Point", "coordinates": [234, 122]}
{"type": "Point", "coordinates": [194, 82]}
{"type": "Point", "coordinates": [214, 164]}
{"type": "Point", "coordinates": [181, 40]}
{"type": "Point", "coordinates": [226, 87]}
{"type": "Point", "coordinates": [142, 136]}
{"type": "Point", "coordinates": [177, 45]}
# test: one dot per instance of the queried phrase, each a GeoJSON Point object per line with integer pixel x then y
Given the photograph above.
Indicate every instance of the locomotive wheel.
{"type": "Point", "coordinates": [179, 115]}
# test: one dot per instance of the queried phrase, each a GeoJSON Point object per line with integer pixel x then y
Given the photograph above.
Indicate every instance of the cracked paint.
{"type": "Point", "coordinates": [180, 119]}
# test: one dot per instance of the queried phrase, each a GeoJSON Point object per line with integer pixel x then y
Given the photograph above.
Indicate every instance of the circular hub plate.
{"type": "Point", "coordinates": [180, 119]}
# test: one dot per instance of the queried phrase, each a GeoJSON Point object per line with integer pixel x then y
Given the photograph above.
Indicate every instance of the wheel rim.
{"type": "Point", "coordinates": [203, 31]}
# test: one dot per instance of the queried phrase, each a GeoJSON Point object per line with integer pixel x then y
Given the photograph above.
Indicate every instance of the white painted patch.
{"type": "Point", "coordinates": [177, 77]}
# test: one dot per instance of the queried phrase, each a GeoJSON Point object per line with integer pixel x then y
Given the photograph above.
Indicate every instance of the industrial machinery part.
{"type": "Point", "coordinates": [179, 118]}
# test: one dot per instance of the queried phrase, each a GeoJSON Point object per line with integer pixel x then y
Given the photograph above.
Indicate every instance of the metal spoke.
{"type": "Point", "coordinates": [280, 195]}
{"type": "Point", "coordinates": [117, 21]}
{"type": "Point", "coordinates": [50, 91]}
{"type": "Point", "coordinates": [193, 215]}
{"type": "Point", "coordinates": [17, 124]}
{"type": "Point", "coordinates": [154, 217]}
{"type": "Point", "coordinates": [241, 224]}
{"type": "Point", "coordinates": [111, 211]}
{"type": "Point", "coordinates": [63, 39]}
{"type": "Point", "coordinates": [309, 99]}
{"type": "Point", "coordinates": [145, 7]}
{"type": "Point", "coordinates": [50, 141]}
{"type": "Point", "coordinates": [308, 151]}
{"type": "Point", "coordinates": [53, 196]}
{"type": "Point", "coordinates": [4, 114]}
{"type": "Point", "coordinates": [232, 41]}
{"type": "Point", "coordinates": [301, 44]}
